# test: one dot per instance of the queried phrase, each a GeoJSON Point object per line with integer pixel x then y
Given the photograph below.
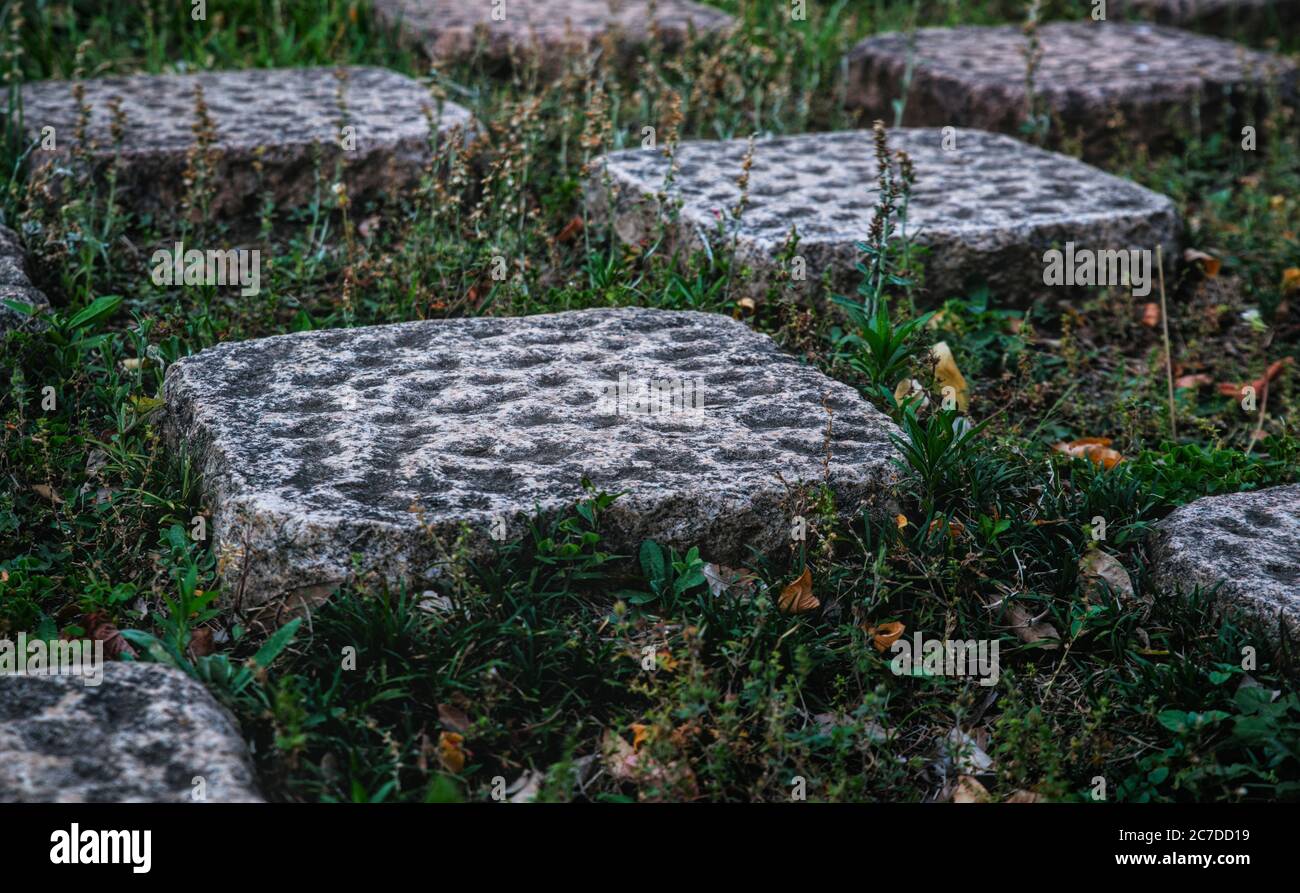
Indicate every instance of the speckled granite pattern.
{"type": "Point", "coordinates": [284, 118]}
{"type": "Point", "coordinates": [14, 283]}
{"type": "Point", "coordinates": [1251, 541]}
{"type": "Point", "coordinates": [142, 735]}
{"type": "Point", "coordinates": [318, 445]}
{"type": "Point", "coordinates": [987, 209]}
{"type": "Point", "coordinates": [549, 29]}
{"type": "Point", "coordinates": [1102, 82]}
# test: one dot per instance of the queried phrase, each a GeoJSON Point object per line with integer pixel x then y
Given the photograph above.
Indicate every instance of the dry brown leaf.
{"type": "Point", "coordinates": [1026, 630]}
{"type": "Point", "coordinates": [1096, 566]}
{"type": "Point", "coordinates": [453, 718]}
{"type": "Point", "coordinates": [570, 231]}
{"type": "Point", "coordinates": [1260, 384]}
{"type": "Point", "coordinates": [949, 376]}
{"type": "Point", "coordinates": [1209, 264]}
{"type": "Point", "coordinates": [969, 790]}
{"type": "Point", "coordinates": [640, 734]}
{"type": "Point", "coordinates": [100, 629]}
{"type": "Point", "coordinates": [47, 493]}
{"type": "Point", "coordinates": [1290, 280]}
{"type": "Point", "coordinates": [885, 634]}
{"type": "Point", "coordinates": [1095, 449]}
{"type": "Point", "coordinates": [1151, 314]}
{"type": "Point", "coordinates": [798, 598]}
{"type": "Point", "coordinates": [451, 751]}
{"type": "Point", "coordinates": [201, 643]}
{"type": "Point", "coordinates": [1026, 797]}
{"type": "Point", "coordinates": [1193, 381]}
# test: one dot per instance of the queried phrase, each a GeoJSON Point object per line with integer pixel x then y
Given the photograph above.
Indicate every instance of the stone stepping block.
{"type": "Point", "coordinates": [551, 30]}
{"type": "Point", "coordinates": [1251, 542]}
{"type": "Point", "coordinates": [1256, 17]}
{"type": "Point", "coordinates": [279, 119]}
{"type": "Point", "coordinates": [1091, 73]}
{"type": "Point", "coordinates": [14, 283]}
{"type": "Point", "coordinates": [142, 735]}
{"type": "Point", "coordinates": [373, 441]}
{"type": "Point", "coordinates": [987, 208]}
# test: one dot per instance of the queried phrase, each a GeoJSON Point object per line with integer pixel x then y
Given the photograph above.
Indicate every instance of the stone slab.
{"type": "Point", "coordinates": [279, 119]}
{"type": "Point", "coordinates": [15, 285]}
{"type": "Point", "coordinates": [550, 30]}
{"type": "Point", "coordinates": [1224, 17]}
{"type": "Point", "coordinates": [1104, 83]}
{"type": "Point", "coordinates": [318, 445]}
{"type": "Point", "coordinates": [1249, 541]}
{"type": "Point", "coordinates": [987, 209]}
{"type": "Point", "coordinates": [142, 735]}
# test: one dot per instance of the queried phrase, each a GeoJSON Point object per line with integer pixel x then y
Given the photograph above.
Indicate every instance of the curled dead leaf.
{"type": "Point", "coordinates": [1097, 566]}
{"type": "Point", "coordinates": [451, 751]}
{"type": "Point", "coordinates": [798, 598]}
{"type": "Point", "coordinates": [47, 493]}
{"type": "Point", "coordinates": [949, 376]}
{"type": "Point", "coordinates": [1095, 449]}
{"type": "Point", "coordinates": [1209, 264]}
{"type": "Point", "coordinates": [885, 634]}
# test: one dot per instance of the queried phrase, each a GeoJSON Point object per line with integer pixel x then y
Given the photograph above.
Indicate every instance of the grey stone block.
{"type": "Point", "coordinates": [1249, 541]}
{"type": "Point", "coordinates": [382, 441]}
{"type": "Point", "coordinates": [270, 127]}
{"type": "Point", "coordinates": [1103, 83]}
{"type": "Point", "coordinates": [142, 735]}
{"type": "Point", "coordinates": [548, 30]}
{"type": "Point", "coordinates": [986, 209]}
{"type": "Point", "coordinates": [15, 284]}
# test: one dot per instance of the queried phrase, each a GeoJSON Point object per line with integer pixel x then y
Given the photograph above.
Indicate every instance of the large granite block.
{"type": "Point", "coordinates": [1102, 83]}
{"type": "Point", "coordinates": [377, 441]}
{"type": "Point", "coordinates": [269, 129]}
{"type": "Point", "coordinates": [144, 734]}
{"type": "Point", "coordinates": [548, 30]}
{"type": "Point", "coordinates": [14, 283]}
{"type": "Point", "coordinates": [1249, 541]}
{"type": "Point", "coordinates": [987, 208]}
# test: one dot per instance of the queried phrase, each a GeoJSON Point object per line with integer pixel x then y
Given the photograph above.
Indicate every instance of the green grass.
{"type": "Point", "coordinates": [537, 658]}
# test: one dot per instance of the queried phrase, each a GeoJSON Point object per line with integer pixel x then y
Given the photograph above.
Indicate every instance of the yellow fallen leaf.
{"type": "Point", "coordinates": [911, 389]}
{"type": "Point", "coordinates": [451, 751]}
{"type": "Point", "coordinates": [640, 734]}
{"type": "Point", "coordinates": [949, 376]}
{"type": "Point", "coordinates": [1095, 449]}
{"type": "Point", "coordinates": [901, 521]}
{"type": "Point", "coordinates": [1208, 263]}
{"type": "Point", "coordinates": [1290, 280]}
{"type": "Point", "coordinates": [798, 598]}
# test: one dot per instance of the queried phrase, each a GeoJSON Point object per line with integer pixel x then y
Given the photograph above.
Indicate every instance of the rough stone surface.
{"type": "Point", "coordinates": [317, 445]}
{"type": "Point", "coordinates": [142, 735]}
{"type": "Point", "coordinates": [1103, 83]}
{"type": "Point", "coordinates": [14, 282]}
{"type": "Point", "coordinates": [1256, 17]}
{"type": "Point", "coordinates": [550, 30]}
{"type": "Point", "coordinates": [1251, 542]}
{"type": "Point", "coordinates": [987, 209]}
{"type": "Point", "coordinates": [280, 119]}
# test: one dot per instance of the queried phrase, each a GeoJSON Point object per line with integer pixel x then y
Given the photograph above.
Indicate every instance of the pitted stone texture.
{"type": "Point", "coordinates": [1101, 82]}
{"type": "Point", "coordinates": [1255, 17]}
{"type": "Point", "coordinates": [317, 445]}
{"type": "Point", "coordinates": [1250, 541]}
{"type": "Point", "coordinates": [15, 284]}
{"type": "Point", "coordinates": [551, 30]}
{"type": "Point", "coordinates": [142, 735]}
{"type": "Point", "coordinates": [282, 119]}
{"type": "Point", "coordinates": [987, 209]}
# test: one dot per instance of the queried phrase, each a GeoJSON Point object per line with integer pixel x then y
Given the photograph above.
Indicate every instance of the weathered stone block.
{"type": "Point", "coordinates": [549, 30]}
{"type": "Point", "coordinates": [270, 132]}
{"type": "Point", "coordinates": [378, 441]}
{"type": "Point", "coordinates": [1103, 83]}
{"type": "Point", "coordinates": [142, 735]}
{"type": "Point", "coordinates": [15, 284]}
{"type": "Point", "coordinates": [987, 208]}
{"type": "Point", "coordinates": [1249, 541]}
